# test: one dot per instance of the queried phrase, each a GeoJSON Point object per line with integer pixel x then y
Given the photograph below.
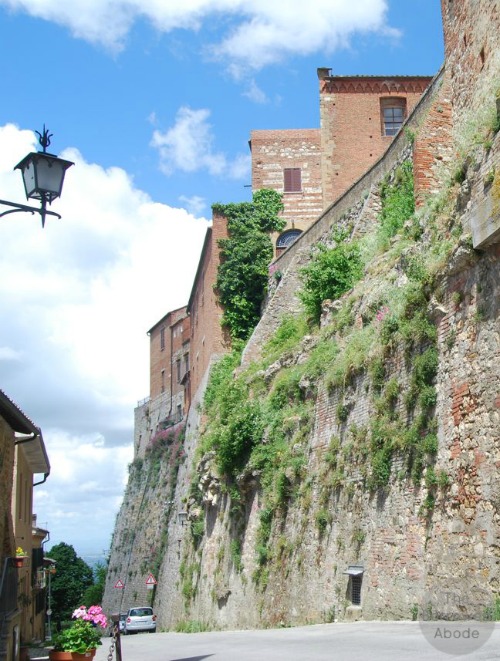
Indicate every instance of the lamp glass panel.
{"type": "Point", "coordinates": [29, 178]}
{"type": "Point", "coordinates": [50, 175]}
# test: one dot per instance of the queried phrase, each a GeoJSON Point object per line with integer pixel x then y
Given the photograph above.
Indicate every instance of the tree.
{"type": "Point", "coordinates": [72, 578]}
{"type": "Point", "coordinates": [94, 594]}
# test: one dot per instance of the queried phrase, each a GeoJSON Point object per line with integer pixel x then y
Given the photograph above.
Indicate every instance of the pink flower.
{"type": "Point", "coordinates": [381, 313]}
{"type": "Point", "coordinates": [93, 614]}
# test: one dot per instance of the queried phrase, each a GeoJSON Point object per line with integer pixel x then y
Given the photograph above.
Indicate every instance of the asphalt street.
{"type": "Point", "coordinates": [357, 641]}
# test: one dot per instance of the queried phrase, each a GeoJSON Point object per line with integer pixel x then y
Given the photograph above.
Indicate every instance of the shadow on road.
{"type": "Point", "coordinates": [194, 658]}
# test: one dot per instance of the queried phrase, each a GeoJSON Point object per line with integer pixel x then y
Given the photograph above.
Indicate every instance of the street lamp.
{"type": "Point", "coordinates": [43, 176]}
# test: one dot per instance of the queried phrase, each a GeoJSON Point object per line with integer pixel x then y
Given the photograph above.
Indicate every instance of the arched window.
{"type": "Point", "coordinates": [287, 238]}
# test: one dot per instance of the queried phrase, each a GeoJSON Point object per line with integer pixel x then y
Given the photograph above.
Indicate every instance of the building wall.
{"type": "Point", "coordinates": [349, 142]}
{"type": "Point", "coordinates": [22, 516]}
{"type": "Point", "coordinates": [208, 338]}
{"type": "Point", "coordinates": [433, 150]}
{"type": "Point", "coordinates": [472, 50]}
{"type": "Point", "coordinates": [7, 547]}
{"type": "Point", "coordinates": [174, 329]}
{"type": "Point", "coordinates": [272, 152]}
{"type": "Point", "coordinates": [352, 136]}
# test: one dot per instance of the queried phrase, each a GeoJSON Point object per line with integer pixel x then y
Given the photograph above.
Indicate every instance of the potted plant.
{"type": "Point", "coordinates": [79, 641]}
{"type": "Point", "coordinates": [20, 558]}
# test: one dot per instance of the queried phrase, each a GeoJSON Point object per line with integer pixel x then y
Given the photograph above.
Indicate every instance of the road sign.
{"type": "Point", "coordinates": [150, 580]}
{"type": "Point", "coordinates": [119, 584]}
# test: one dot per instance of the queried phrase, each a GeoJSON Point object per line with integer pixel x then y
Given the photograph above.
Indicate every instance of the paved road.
{"type": "Point", "coordinates": [357, 641]}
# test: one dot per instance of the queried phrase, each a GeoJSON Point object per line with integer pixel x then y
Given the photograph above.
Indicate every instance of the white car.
{"type": "Point", "coordinates": [121, 624]}
{"type": "Point", "coordinates": [140, 618]}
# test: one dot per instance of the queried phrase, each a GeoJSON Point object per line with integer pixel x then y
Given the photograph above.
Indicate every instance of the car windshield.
{"type": "Point", "coordinates": [140, 612]}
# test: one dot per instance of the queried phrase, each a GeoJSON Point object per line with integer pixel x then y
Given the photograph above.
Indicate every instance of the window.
{"type": "Point", "coordinates": [186, 363]}
{"type": "Point", "coordinates": [356, 590]}
{"type": "Point", "coordinates": [162, 338]}
{"type": "Point", "coordinates": [179, 412]}
{"type": "Point", "coordinates": [178, 366]}
{"type": "Point", "coordinates": [393, 113]}
{"type": "Point", "coordinates": [355, 573]}
{"type": "Point", "coordinates": [293, 180]}
{"type": "Point", "coordinates": [287, 238]}
{"type": "Point", "coordinates": [163, 380]}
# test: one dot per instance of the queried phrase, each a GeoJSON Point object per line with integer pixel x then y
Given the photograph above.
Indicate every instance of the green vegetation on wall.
{"type": "Point", "coordinates": [245, 257]}
{"type": "Point", "coordinates": [380, 344]}
{"type": "Point", "coordinates": [330, 273]}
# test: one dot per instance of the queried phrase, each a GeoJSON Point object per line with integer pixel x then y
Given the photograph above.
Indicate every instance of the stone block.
{"type": "Point", "coordinates": [485, 222]}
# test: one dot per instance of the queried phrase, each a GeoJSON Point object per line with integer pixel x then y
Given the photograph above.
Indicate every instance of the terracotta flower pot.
{"type": "Point", "coordinates": [55, 655]}
{"type": "Point", "coordinates": [19, 561]}
{"type": "Point", "coordinates": [83, 657]}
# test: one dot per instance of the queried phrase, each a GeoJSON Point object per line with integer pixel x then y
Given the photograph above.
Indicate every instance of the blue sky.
{"type": "Point", "coordinates": [154, 101]}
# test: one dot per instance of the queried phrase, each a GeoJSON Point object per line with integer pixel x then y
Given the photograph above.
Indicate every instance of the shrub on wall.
{"type": "Point", "coordinates": [330, 273]}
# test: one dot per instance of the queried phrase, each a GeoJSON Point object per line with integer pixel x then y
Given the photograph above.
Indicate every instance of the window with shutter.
{"type": "Point", "coordinates": [293, 180]}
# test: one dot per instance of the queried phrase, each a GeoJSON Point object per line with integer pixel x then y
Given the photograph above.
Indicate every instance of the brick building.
{"type": "Point", "coordinates": [208, 339]}
{"type": "Point", "coordinates": [359, 117]}
{"type": "Point", "coordinates": [169, 391]}
{"type": "Point", "coordinates": [169, 360]}
{"type": "Point", "coordinates": [289, 161]}
{"type": "Point", "coordinates": [183, 344]}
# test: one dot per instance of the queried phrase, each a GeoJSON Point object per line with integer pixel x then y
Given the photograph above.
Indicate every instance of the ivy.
{"type": "Point", "coordinates": [245, 257]}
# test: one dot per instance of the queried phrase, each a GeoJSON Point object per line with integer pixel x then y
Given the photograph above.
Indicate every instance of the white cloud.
{"type": "Point", "coordinates": [259, 32]}
{"type": "Point", "coordinates": [189, 146]}
{"type": "Point", "coordinates": [6, 353]}
{"type": "Point", "coordinates": [255, 94]}
{"type": "Point", "coordinates": [240, 168]}
{"type": "Point", "coordinates": [195, 204]}
{"type": "Point", "coordinates": [83, 491]}
{"type": "Point", "coordinates": [76, 301]}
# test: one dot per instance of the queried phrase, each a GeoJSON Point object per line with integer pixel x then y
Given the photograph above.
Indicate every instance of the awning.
{"type": "Point", "coordinates": [354, 570]}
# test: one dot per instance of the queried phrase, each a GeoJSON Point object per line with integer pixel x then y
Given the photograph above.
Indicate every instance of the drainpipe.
{"type": "Point", "coordinates": [45, 476]}
{"type": "Point", "coordinates": [27, 439]}
{"type": "Point", "coordinates": [30, 439]}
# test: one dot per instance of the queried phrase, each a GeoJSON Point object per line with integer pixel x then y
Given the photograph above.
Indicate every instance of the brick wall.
{"type": "Point", "coordinates": [352, 135]}
{"type": "Point", "coordinates": [165, 352]}
{"type": "Point", "coordinates": [433, 149]}
{"type": "Point", "coordinates": [208, 339]}
{"type": "Point", "coordinates": [272, 152]}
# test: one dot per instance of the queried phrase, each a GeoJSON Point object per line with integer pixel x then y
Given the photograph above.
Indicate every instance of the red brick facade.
{"type": "Point", "coordinates": [208, 340]}
{"type": "Point", "coordinates": [353, 132]}
{"type": "Point", "coordinates": [328, 160]}
{"type": "Point", "coordinates": [273, 152]}
{"type": "Point", "coordinates": [169, 359]}
{"type": "Point", "coordinates": [433, 145]}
